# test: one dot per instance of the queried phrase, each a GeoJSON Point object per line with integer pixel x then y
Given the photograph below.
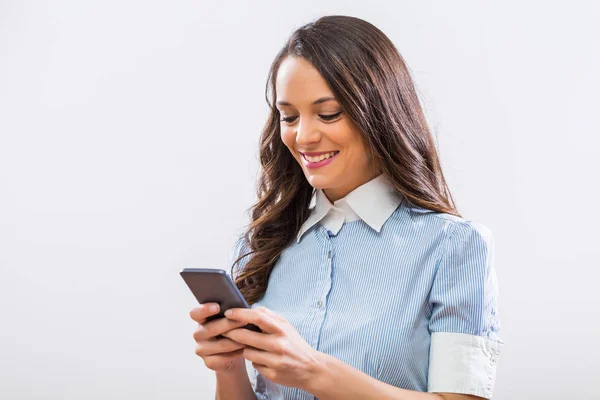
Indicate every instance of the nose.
{"type": "Point", "coordinates": [307, 133]}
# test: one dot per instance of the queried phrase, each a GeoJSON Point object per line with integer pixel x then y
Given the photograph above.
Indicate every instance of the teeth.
{"type": "Point", "coordinates": [319, 158]}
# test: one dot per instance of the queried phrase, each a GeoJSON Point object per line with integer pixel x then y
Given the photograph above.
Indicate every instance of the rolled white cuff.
{"type": "Point", "coordinates": [462, 363]}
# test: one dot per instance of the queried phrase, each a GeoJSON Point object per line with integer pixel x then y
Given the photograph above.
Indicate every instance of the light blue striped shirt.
{"type": "Point", "coordinates": [406, 295]}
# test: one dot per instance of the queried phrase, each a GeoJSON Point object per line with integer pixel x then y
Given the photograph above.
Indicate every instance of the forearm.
{"type": "Point", "coordinates": [234, 385]}
{"type": "Point", "coordinates": [337, 380]}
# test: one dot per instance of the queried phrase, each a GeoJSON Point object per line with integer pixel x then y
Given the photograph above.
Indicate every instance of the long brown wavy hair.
{"type": "Point", "coordinates": [368, 76]}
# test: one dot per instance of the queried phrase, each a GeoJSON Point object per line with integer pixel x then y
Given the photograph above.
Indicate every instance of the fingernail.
{"type": "Point", "coordinates": [213, 308]}
{"type": "Point", "coordinates": [228, 313]}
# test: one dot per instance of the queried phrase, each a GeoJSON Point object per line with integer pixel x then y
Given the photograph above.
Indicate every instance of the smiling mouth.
{"type": "Point", "coordinates": [316, 159]}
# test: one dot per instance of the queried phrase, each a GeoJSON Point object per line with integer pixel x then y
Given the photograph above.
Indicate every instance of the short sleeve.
{"type": "Point", "coordinates": [464, 321]}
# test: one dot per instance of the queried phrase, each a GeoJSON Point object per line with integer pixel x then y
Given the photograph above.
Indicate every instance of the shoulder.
{"type": "Point", "coordinates": [467, 246]}
{"type": "Point", "coordinates": [454, 227]}
{"type": "Point", "coordinates": [467, 231]}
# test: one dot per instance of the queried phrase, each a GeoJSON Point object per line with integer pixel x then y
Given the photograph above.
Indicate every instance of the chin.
{"type": "Point", "coordinates": [319, 181]}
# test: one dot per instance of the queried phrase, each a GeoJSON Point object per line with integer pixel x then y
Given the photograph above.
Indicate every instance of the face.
{"type": "Point", "coordinates": [318, 133]}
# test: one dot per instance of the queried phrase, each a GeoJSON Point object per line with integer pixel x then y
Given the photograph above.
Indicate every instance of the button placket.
{"type": "Point", "coordinates": [319, 303]}
{"type": "Point", "coordinates": [329, 258]}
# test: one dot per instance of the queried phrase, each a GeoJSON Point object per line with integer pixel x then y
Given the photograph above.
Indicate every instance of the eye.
{"type": "Point", "coordinates": [288, 119]}
{"type": "Point", "coordinates": [330, 117]}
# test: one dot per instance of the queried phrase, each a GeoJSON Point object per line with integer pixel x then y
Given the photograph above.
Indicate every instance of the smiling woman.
{"type": "Point", "coordinates": [316, 129]}
{"type": "Point", "coordinates": [363, 277]}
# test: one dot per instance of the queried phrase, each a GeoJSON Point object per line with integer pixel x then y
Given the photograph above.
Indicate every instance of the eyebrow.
{"type": "Point", "coordinates": [318, 101]}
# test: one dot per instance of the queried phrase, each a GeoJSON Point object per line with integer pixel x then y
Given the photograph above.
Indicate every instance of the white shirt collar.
{"type": "Point", "coordinates": [373, 202]}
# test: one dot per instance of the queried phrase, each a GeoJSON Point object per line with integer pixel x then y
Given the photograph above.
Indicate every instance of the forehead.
{"type": "Point", "coordinates": [299, 83]}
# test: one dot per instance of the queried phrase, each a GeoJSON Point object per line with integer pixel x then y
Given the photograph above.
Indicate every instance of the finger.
{"type": "Point", "coordinates": [271, 312]}
{"type": "Point", "coordinates": [264, 321]}
{"type": "Point", "coordinates": [214, 328]}
{"type": "Point", "coordinates": [211, 347]}
{"type": "Point", "coordinates": [201, 312]}
{"type": "Point", "coordinates": [258, 356]}
{"type": "Point", "coordinates": [254, 339]}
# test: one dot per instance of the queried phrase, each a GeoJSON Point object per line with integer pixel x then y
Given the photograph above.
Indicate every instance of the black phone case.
{"type": "Point", "coordinates": [215, 285]}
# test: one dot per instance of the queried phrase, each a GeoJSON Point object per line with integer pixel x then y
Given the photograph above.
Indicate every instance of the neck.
{"type": "Point", "coordinates": [336, 193]}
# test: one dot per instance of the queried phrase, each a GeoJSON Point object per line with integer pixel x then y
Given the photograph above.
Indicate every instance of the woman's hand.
{"type": "Point", "coordinates": [219, 354]}
{"type": "Point", "coordinates": [279, 353]}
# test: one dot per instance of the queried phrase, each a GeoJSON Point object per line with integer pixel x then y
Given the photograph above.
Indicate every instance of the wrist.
{"type": "Point", "coordinates": [321, 376]}
{"type": "Point", "coordinates": [233, 383]}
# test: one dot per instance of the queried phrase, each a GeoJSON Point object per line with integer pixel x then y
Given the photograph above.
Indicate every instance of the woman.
{"type": "Point", "coordinates": [365, 280]}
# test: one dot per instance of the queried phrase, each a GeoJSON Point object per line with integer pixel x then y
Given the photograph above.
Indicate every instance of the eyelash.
{"type": "Point", "coordinates": [325, 117]}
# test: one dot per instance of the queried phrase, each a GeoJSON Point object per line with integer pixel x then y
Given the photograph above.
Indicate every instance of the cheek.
{"type": "Point", "coordinates": [365, 159]}
{"type": "Point", "coordinates": [342, 135]}
{"type": "Point", "coordinates": [352, 143]}
{"type": "Point", "coordinates": [345, 140]}
{"type": "Point", "coordinates": [287, 137]}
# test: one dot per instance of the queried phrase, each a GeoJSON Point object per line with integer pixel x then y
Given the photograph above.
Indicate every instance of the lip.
{"type": "Point", "coordinates": [316, 153]}
{"type": "Point", "coordinates": [319, 164]}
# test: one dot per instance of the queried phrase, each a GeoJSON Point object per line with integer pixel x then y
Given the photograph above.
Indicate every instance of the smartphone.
{"type": "Point", "coordinates": [215, 285]}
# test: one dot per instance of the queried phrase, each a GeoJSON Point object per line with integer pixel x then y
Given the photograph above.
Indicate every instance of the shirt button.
{"type": "Point", "coordinates": [329, 254]}
{"type": "Point", "coordinates": [319, 303]}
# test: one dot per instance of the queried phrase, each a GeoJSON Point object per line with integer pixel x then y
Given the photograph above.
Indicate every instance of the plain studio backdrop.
{"type": "Point", "coordinates": [128, 151]}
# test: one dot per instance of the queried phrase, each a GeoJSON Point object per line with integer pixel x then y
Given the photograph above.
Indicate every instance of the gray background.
{"type": "Point", "coordinates": [128, 151]}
